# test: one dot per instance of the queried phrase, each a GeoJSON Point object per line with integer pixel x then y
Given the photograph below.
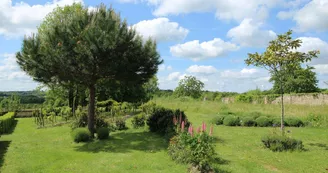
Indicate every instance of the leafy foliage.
{"type": "Point", "coordinates": [81, 135]}
{"type": "Point", "coordinates": [294, 122]}
{"type": "Point", "coordinates": [302, 80]}
{"type": "Point", "coordinates": [231, 120]}
{"type": "Point", "coordinates": [281, 61]}
{"type": "Point", "coordinates": [102, 133]}
{"type": "Point", "coordinates": [248, 121]}
{"type": "Point", "coordinates": [218, 120]}
{"type": "Point", "coordinates": [193, 148]}
{"type": "Point", "coordinates": [189, 86]}
{"type": "Point", "coordinates": [78, 46]}
{"type": "Point", "coordinates": [120, 124]}
{"type": "Point", "coordinates": [263, 121]}
{"type": "Point", "coordinates": [282, 143]}
{"type": "Point", "coordinates": [7, 122]}
{"type": "Point", "coordinates": [163, 121]}
{"type": "Point", "coordinates": [138, 121]}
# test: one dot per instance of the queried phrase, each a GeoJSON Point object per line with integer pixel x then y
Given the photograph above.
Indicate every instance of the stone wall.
{"type": "Point", "coordinates": [298, 99]}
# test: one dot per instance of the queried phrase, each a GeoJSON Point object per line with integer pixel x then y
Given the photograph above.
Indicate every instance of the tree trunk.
{"type": "Point", "coordinates": [91, 116]}
{"type": "Point", "coordinates": [282, 110]}
{"type": "Point", "coordinates": [70, 97]}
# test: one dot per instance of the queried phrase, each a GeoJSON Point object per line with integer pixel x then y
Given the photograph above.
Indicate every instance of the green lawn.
{"type": "Point", "coordinates": [52, 150]}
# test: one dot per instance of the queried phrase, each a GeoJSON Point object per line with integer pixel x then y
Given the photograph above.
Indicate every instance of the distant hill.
{"type": "Point", "coordinates": [27, 97]}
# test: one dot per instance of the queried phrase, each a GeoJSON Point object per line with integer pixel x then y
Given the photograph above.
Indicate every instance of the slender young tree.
{"type": "Point", "coordinates": [82, 47]}
{"type": "Point", "coordinates": [281, 59]}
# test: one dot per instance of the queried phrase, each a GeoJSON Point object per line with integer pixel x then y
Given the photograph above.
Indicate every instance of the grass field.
{"type": "Point", "coordinates": [29, 149]}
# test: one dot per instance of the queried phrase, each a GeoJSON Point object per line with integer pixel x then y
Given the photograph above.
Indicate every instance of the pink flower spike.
{"type": "Point", "coordinates": [191, 130]}
{"type": "Point", "coordinates": [182, 126]}
{"type": "Point", "coordinates": [211, 130]}
{"type": "Point", "coordinates": [203, 127]}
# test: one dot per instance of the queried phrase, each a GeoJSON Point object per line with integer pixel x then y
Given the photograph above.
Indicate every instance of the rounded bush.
{"type": "Point", "coordinates": [138, 121]}
{"type": "Point", "coordinates": [81, 135]}
{"type": "Point", "coordinates": [218, 120]}
{"type": "Point", "coordinates": [263, 121]}
{"type": "Point", "coordinates": [294, 122]}
{"type": "Point", "coordinates": [248, 121]}
{"type": "Point", "coordinates": [102, 133]}
{"type": "Point", "coordinates": [276, 122]}
{"type": "Point", "coordinates": [282, 143]}
{"type": "Point", "coordinates": [231, 121]}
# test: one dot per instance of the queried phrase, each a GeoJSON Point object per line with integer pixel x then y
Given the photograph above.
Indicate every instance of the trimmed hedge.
{"type": "Point", "coordinates": [218, 120]}
{"type": "Point", "coordinates": [6, 122]}
{"type": "Point", "coordinates": [231, 120]}
{"type": "Point", "coordinates": [294, 122]}
{"type": "Point", "coordinates": [263, 121]}
{"type": "Point", "coordinates": [81, 135]}
{"type": "Point", "coordinates": [248, 121]}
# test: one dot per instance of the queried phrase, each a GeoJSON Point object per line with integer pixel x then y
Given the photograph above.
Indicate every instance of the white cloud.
{"type": "Point", "coordinates": [321, 68]}
{"type": "Point", "coordinates": [21, 18]}
{"type": "Point", "coordinates": [244, 73]}
{"type": "Point", "coordinates": [224, 10]}
{"type": "Point", "coordinates": [202, 69]}
{"type": "Point", "coordinates": [314, 43]}
{"type": "Point", "coordinates": [174, 76]}
{"type": "Point", "coordinates": [200, 51]}
{"type": "Point", "coordinates": [313, 16]}
{"type": "Point", "coordinates": [249, 34]}
{"type": "Point", "coordinates": [163, 67]}
{"type": "Point", "coordinates": [161, 29]}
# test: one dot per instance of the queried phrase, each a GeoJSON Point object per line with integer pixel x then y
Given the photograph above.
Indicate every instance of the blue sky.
{"type": "Point", "coordinates": [206, 38]}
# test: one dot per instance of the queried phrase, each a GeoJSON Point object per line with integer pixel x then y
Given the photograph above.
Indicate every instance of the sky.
{"type": "Point", "coordinates": [209, 39]}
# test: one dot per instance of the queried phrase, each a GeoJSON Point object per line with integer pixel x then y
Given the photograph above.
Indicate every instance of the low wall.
{"type": "Point", "coordinates": [297, 99]}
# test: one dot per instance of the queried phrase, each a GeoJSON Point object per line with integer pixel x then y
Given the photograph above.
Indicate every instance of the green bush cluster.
{"type": "Point", "coordinates": [6, 122]}
{"type": "Point", "coordinates": [102, 133]}
{"type": "Point", "coordinates": [263, 121]}
{"type": "Point", "coordinates": [162, 120]}
{"type": "Point", "coordinates": [248, 121]}
{"type": "Point", "coordinates": [138, 121]}
{"type": "Point", "coordinates": [231, 120]}
{"type": "Point", "coordinates": [81, 135]}
{"type": "Point", "coordinates": [281, 143]}
{"type": "Point", "coordinates": [120, 124]}
{"type": "Point", "coordinates": [197, 150]}
{"type": "Point", "coordinates": [228, 118]}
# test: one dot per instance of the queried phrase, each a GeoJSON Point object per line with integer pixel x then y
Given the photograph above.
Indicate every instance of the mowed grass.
{"type": "Point", "coordinates": [52, 150]}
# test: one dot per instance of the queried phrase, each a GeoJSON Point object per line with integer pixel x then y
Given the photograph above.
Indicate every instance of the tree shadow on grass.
{"type": "Point", "coordinates": [123, 142]}
{"type": "Point", "coordinates": [3, 149]}
{"type": "Point", "coordinates": [324, 146]}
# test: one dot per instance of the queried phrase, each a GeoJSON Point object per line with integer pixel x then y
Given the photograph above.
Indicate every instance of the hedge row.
{"type": "Point", "coordinates": [6, 122]}
{"type": "Point", "coordinates": [255, 119]}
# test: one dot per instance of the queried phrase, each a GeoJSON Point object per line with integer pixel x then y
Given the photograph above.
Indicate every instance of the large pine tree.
{"type": "Point", "coordinates": [82, 47]}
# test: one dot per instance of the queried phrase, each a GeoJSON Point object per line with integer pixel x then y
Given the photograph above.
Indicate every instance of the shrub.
{"type": "Point", "coordinates": [6, 122]}
{"type": "Point", "coordinates": [231, 120]}
{"type": "Point", "coordinates": [120, 124]}
{"type": "Point", "coordinates": [317, 120]}
{"type": "Point", "coordinates": [277, 122]}
{"type": "Point", "coordinates": [248, 121]}
{"type": "Point", "coordinates": [102, 133]}
{"type": "Point", "coordinates": [81, 135]}
{"type": "Point", "coordinates": [282, 143]}
{"type": "Point", "coordinates": [196, 149]}
{"type": "Point", "coordinates": [148, 108]}
{"type": "Point", "coordinates": [80, 121]}
{"type": "Point", "coordinates": [218, 120]}
{"type": "Point", "coordinates": [138, 121]}
{"type": "Point", "coordinates": [263, 121]}
{"type": "Point", "coordinates": [294, 122]}
{"type": "Point", "coordinates": [100, 122]}
{"type": "Point", "coordinates": [162, 120]}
